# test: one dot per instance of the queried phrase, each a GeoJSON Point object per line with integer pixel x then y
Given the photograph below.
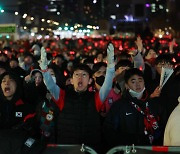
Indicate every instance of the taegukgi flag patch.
{"type": "Point", "coordinates": [18, 114]}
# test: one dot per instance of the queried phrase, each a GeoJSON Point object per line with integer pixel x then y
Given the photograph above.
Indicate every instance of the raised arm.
{"type": "Point", "coordinates": [49, 82]}
{"type": "Point", "coordinates": [171, 46]}
{"type": "Point", "coordinates": [110, 73]}
{"type": "Point", "coordinates": [137, 56]}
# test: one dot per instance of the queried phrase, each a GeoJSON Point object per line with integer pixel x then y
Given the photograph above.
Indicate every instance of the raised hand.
{"type": "Point", "coordinates": [110, 55]}
{"type": "Point", "coordinates": [171, 45]}
{"type": "Point", "coordinates": [139, 44]}
{"type": "Point", "coordinates": [156, 92]}
{"type": "Point", "coordinates": [43, 62]}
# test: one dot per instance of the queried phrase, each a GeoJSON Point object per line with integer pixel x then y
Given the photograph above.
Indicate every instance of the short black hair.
{"type": "Point", "coordinates": [83, 67]}
{"type": "Point", "coordinates": [99, 52]}
{"type": "Point", "coordinates": [124, 55]}
{"type": "Point", "coordinates": [12, 75]}
{"type": "Point", "coordinates": [97, 66]}
{"type": "Point", "coordinates": [59, 56]}
{"type": "Point", "coordinates": [14, 59]}
{"type": "Point", "coordinates": [28, 54]}
{"type": "Point", "coordinates": [4, 65]}
{"type": "Point", "coordinates": [124, 63]}
{"type": "Point", "coordinates": [133, 71]}
{"type": "Point", "coordinates": [147, 51]}
{"type": "Point", "coordinates": [164, 58]}
{"type": "Point", "coordinates": [19, 84]}
{"type": "Point", "coordinates": [89, 60]}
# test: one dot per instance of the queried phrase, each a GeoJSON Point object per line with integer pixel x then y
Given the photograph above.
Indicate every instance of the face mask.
{"type": "Point", "coordinates": [54, 78]}
{"type": "Point", "coordinates": [138, 95]}
{"type": "Point", "coordinates": [100, 80]}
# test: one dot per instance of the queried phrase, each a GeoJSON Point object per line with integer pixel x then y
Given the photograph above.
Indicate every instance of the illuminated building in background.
{"type": "Point", "coordinates": [47, 15]}
{"type": "Point", "coordinates": [111, 16]}
{"type": "Point", "coordinates": [128, 15]}
{"type": "Point", "coordinates": [7, 12]}
{"type": "Point", "coordinates": [165, 15]}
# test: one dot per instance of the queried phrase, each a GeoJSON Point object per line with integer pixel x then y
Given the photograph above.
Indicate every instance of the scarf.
{"type": "Point", "coordinates": [47, 119]}
{"type": "Point", "coordinates": [150, 122]}
{"type": "Point", "coordinates": [151, 61]}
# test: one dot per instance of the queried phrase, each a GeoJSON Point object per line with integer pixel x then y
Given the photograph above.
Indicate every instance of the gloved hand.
{"type": "Point", "coordinates": [139, 44]}
{"type": "Point", "coordinates": [110, 56]}
{"type": "Point", "coordinates": [43, 61]}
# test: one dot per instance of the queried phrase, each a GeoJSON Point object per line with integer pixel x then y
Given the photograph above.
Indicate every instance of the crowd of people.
{"type": "Point", "coordinates": [98, 92]}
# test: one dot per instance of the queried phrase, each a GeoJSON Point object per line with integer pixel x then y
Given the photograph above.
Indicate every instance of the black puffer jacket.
{"type": "Point", "coordinates": [16, 119]}
{"type": "Point", "coordinates": [15, 112]}
{"type": "Point", "coordinates": [124, 125]}
{"type": "Point", "coordinates": [79, 121]}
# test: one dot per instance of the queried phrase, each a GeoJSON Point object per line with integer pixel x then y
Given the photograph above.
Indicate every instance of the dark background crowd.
{"type": "Point", "coordinates": [83, 91]}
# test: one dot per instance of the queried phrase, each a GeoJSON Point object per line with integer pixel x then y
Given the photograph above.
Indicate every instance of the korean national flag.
{"type": "Point", "coordinates": [18, 114]}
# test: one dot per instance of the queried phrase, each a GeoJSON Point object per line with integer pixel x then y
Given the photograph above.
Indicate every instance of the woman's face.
{"type": "Point", "coordinates": [100, 58]}
{"type": "Point", "coordinates": [38, 78]}
{"type": "Point", "coordinates": [8, 86]}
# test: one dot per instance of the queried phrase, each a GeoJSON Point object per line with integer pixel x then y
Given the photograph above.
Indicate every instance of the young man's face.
{"type": "Point", "coordinates": [8, 86]}
{"type": "Point", "coordinates": [151, 54]}
{"type": "Point", "coordinates": [58, 61]}
{"type": "Point", "coordinates": [28, 60]}
{"type": "Point", "coordinates": [135, 83]}
{"type": "Point", "coordinates": [80, 80]}
{"type": "Point", "coordinates": [13, 64]}
{"type": "Point", "coordinates": [163, 64]}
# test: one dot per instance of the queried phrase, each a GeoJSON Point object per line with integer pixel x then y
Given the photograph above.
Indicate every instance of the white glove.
{"type": "Point", "coordinates": [44, 61]}
{"type": "Point", "coordinates": [110, 56]}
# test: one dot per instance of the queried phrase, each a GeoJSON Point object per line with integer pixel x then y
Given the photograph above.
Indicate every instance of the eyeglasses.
{"type": "Point", "coordinates": [78, 75]}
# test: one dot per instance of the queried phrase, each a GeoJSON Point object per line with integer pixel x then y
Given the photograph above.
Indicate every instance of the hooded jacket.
{"type": "Point", "coordinates": [14, 113]}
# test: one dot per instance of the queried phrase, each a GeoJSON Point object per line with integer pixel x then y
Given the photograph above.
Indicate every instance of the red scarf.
{"type": "Point", "coordinates": [151, 61]}
{"type": "Point", "coordinates": [150, 122]}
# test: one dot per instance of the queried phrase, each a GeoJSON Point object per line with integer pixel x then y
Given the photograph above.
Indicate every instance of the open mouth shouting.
{"type": "Point", "coordinates": [7, 91]}
{"type": "Point", "coordinates": [80, 84]}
